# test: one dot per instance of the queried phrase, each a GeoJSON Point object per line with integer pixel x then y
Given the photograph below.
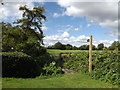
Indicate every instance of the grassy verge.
{"type": "Point", "coordinates": [61, 81]}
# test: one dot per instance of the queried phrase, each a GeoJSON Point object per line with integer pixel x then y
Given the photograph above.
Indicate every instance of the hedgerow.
{"type": "Point", "coordinates": [104, 64]}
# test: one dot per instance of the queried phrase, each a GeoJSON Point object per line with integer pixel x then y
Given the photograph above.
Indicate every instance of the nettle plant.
{"type": "Point", "coordinates": [52, 69]}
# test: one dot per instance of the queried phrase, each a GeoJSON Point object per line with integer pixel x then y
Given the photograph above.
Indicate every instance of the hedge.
{"type": "Point", "coordinates": [105, 65]}
{"type": "Point", "coordinates": [19, 65]}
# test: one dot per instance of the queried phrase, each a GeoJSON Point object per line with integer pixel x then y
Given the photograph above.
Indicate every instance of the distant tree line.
{"type": "Point", "coordinates": [114, 46]}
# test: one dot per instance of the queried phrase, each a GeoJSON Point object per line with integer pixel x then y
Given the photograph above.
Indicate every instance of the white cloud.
{"type": "Point", "coordinates": [11, 9]}
{"type": "Point", "coordinates": [76, 29]}
{"type": "Point", "coordinates": [102, 13]}
{"type": "Point", "coordinates": [65, 28]}
{"type": "Point", "coordinates": [69, 26]}
{"type": "Point", "coordinates": [110, 24]}
{"type": "Point", "coordinates": [88, 25]}
{"type": "Point", "coordinates": [44, 28]}
{"type": "Point", "coordinates": [65, 38]}
{"type": "Point", "coordinates": [65, 34]}
{"type": "Point", "coordinates": [56, 15]}
{"type": "Point", "coordinates": [105, 42]}
{"type": "Point", "coordinates": [116, 39]}
{"type": "Point", "coordinates": [114, 34]}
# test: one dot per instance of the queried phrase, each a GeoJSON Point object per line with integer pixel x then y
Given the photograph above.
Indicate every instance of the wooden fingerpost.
{"type": "Point", "coordinates": [90, 55]}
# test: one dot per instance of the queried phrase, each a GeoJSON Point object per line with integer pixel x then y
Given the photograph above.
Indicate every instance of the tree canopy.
{"type": "Point", "coordinates": [115, 45]}
{"type": "Point", "coordinates": [100, 46]}
{"type": "Point", "coordinates": [59, 45]}
{"type": "Point", "coordinates": [27, 35]}
{"type": "Point", "coordinates": [32, 21]}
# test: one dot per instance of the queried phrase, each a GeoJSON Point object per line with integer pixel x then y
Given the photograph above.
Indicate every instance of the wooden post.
{"type": "Point", "coordinates": [90, 55]}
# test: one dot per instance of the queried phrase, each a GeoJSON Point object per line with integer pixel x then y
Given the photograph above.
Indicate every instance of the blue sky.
{"type": "Point", "coordinates": [73, 23]}
{"type": "Point", "coordinates": [96, 30]}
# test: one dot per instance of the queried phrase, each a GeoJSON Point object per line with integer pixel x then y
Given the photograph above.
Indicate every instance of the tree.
{"type": "Point", "coordinates": [93, 47]}
{"type": "Point", "coordinates": [84, 47]}
{"type": "Point", "coordinates": [27, 36]}
{"type": "Point", "coordinates": [12, 37]}
{"type": "Point", "coordinates": [115, 45]}
{"type": "Point", "coordinates": [74, 48]}
{"type": "Point", "coordinates": [32, 19]}
{"type": "Point", "coordinates": [58, 45]}
{"type": "Point", "coordinates": [68, 47]}
{"type": "Point", "coordinates": [50, 47]}
{"type": "Point", "coordinates": [105, 48]}
{"type": "Point", "coordinates": [100, 46]}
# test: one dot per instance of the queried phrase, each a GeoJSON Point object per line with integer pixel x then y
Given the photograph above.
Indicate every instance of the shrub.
{"type": "Point", "coordinates": [41, 60]}
{"type": "Point", "coordinates": [18, 64]}
{"type": "Point", "coordinates": [105, 65]}
{"type": "Point", "coordinates": [77, 62]}
{"type": "Point", "coordinates": [52, 69]}
{"type": "Point", "coordinates": [44, 60]}
{"type": "Point", "coordinates": [31, 47]}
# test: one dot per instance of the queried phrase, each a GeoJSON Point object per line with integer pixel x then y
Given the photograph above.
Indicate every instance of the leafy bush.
{"type": "Point", "coordinates": [52, 69]}
{"type": "Point", "coordinates": [18, 64]}
{"type": "Point", "coordinates": [77, 62]}
{"type": "Point", "coordinates": [45, 60]}
{"type": "Point", "coordinates": [32, 48]}
{"type": "Point", "coordinates": [41, 60]}
{"type": "Point", "coordinates": [21, 40]}
{"type": "Point", "coordinates": [105, 65]}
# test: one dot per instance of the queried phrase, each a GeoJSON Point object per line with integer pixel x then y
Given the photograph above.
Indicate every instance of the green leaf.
{"type": "Point", "coordinates": [88, 40]}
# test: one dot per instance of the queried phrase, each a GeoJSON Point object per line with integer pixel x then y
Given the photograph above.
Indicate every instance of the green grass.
{"type": "Point", "coordinates": [61, 81]}
{"type": "Point", "coordinates": [0, 83]}
{"type": "Point", "coordinates": [52, 51]}
{"type": "Point", "coordinates": [57, 51]}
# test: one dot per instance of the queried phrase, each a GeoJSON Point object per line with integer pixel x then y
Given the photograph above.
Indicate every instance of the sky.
{"type": "Point", "coordinates": [71, 22]}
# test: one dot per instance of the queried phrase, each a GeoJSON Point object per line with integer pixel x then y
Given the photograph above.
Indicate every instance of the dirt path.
{"type": "Point", "coordinates": [68, 71]}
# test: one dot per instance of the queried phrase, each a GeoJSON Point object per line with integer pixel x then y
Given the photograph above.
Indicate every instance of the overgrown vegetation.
{"type": "Point", "coordinates": [105, 65]}
{"type": "Point", "coordinates": [52, 69]}
{"type": "Point", "coordinates": [25, 57]}
{"type": "Point", "coordinates": [25, 38]}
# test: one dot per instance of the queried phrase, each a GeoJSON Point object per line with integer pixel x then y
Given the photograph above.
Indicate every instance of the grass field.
{"type": "Point", "coordinates": [57, 51]}
{"type": "Point", "coordinates": [51, 51]}
{"type": "Point", "coordinates": [76, 80]}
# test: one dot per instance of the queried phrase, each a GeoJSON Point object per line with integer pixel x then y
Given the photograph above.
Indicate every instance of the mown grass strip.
{"type": "Point", "coordinates": [61, 81]}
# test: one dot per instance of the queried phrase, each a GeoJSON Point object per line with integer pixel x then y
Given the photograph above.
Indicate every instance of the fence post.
{"type": "Point", "coordinates": [90, 55]}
